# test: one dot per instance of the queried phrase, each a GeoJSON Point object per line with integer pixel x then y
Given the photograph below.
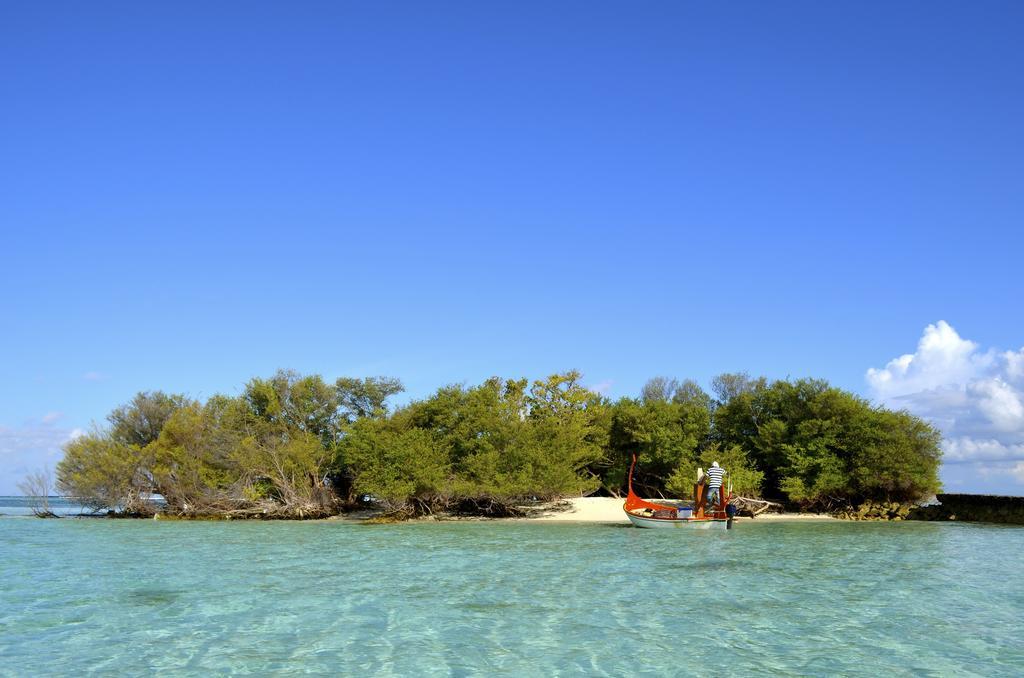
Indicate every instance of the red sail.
{"type": "Point", "coordinates": [634, 502]}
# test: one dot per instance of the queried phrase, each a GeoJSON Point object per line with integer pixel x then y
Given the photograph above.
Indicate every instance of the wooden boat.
{"type": "Point", "coordinates": [700, 516]}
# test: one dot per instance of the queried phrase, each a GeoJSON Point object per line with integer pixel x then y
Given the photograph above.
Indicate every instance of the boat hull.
{"type": "Point", "coordinates": [683, 523]}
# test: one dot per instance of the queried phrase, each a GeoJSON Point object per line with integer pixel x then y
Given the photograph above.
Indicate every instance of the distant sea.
{"type": "Point", "coordinates": [22, 506]}
{"type": "Point", "coordinates": [118, 597]}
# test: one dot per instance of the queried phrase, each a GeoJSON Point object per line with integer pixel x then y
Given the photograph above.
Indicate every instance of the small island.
{"type": "Point", "coordinates": [297, 447]}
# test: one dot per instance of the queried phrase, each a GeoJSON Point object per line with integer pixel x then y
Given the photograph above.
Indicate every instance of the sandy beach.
{"type": "Point", "coordinates": [609, 510]}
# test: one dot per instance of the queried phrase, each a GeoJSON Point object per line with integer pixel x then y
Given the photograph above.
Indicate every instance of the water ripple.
{"type": "Point", "coordinates": [129, 597]}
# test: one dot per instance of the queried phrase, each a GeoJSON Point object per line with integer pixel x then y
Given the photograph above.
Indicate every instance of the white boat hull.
{"type": "Point", "coordinates": [684, 523]}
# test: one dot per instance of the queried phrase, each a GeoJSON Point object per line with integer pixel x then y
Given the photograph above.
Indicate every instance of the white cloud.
{"type": "Point", "coordinates": [601, 386]}
{"type": "Point", "coordinates": [970, 449]}
{"type": "Point", "coordinates": [975, 397]}
{"type": "Point", "coordinates": [94, 376]}
{"type": "Point", "coordinates": [999, 403]}
{"type": "Point", "coordinates": [1014, 364]}
{"type": "Point", "coordinates": [51, 417]}
{"type": "Point", "coordinates": [942, 359]}
{"type": "Point", "coordinates": [24, 449]}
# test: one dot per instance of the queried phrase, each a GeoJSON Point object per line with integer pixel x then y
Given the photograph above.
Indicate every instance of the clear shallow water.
{"type": "Point", "coordinates": [129, 597]}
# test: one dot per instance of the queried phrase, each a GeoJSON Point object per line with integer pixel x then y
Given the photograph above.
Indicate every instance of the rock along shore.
{"type": "Point", "coordinates": [985, 508]}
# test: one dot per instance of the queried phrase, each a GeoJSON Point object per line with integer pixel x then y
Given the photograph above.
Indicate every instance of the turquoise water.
{"type": "Point", "coordinates": [193, 598]}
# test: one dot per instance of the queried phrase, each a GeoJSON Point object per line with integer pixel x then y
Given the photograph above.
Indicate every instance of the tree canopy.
{"type": "Point", "coordinates": [297, 446]}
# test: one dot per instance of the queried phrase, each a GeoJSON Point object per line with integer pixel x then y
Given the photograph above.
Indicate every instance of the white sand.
{"type": "Point", "coordinates": [609, 510]}
{"type": "Point", "coordinates": [587, 510]}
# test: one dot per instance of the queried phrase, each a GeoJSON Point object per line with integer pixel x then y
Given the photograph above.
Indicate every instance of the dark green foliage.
{"type": "Point", "coordinates": [665, 435]}
{"type": "Point", "coordinates": [822, 447]}
{"type": "Point", "coordinates": [900, 459]}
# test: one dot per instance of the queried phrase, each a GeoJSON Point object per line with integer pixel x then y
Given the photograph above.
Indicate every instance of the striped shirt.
{"type": "Point", "coordinates": [715, 474]}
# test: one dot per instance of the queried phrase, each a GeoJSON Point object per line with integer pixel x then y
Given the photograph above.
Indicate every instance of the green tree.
{"type": "Point", "coordinates": [689, 392]}
{"type": "Point", "coordinates": [285, 445]}
{"type": "Point", "coordinates": [366, 397]}
{"type": "Point", "coordinates": [112, 468]}
{"type": "Point", "coordinates": [821, 447]}
{"type": "Point", "coordinates": [730, 385]}
{"type": "Point", "coordinates": [289, 470]}
{"type": "Point", "coordinates": [567, 436]}
{"type": "Point", "coordinates": [139, 422]}
{"type": "Point", "coordinates": [487, 447]}
{"type": "Point", "coordinates": [659, 389]}
{"type": "Point", "coordinates": [899, 458]}
{"type": "Point", "coordinates": [192, 464]}
{"type": "Point", "coordinates": [666, 436]}
{"type": "Point", "coordinates": [405, 470]}
{"type": "Point", "coordinates": [290, 401]}
{"type": "Point", "coordinates": [103, 473]}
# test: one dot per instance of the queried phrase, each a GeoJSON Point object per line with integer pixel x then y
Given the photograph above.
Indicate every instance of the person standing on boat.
{"type": "Point", "coordinates": [715, 475]}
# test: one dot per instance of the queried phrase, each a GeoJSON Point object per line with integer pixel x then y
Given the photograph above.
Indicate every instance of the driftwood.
{"type": "Point", "coordinates": [754, 507]}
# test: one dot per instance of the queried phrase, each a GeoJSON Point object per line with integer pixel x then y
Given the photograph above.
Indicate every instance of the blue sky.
{"type": "Point", "coordinates": [192, 195]}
